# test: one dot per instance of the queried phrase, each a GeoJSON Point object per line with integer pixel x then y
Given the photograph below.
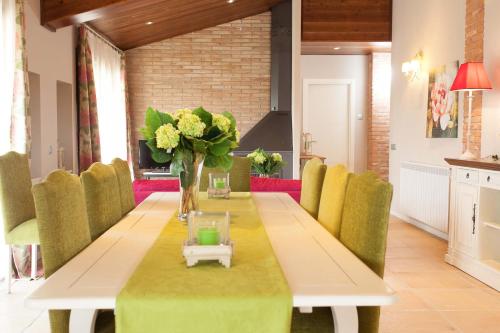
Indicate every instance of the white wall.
{"type": "Point", "coordinates": [345, 67]}
{"type": "Point", "coordinates": [490, 140]}
{"type": "Point", "coordinates": [438, 29]}
{"type": "Point", "coordinates": [52, 55]}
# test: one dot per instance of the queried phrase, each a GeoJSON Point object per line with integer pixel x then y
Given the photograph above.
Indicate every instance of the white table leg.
{"type": "Point", "coordinates": [34, 261]}
{"type": "Point", "coordinates": [9, 271]}
{"type": "Point", "coordinates": [82, 321]}
{"type": "Point", "coordinates": [345, 319]}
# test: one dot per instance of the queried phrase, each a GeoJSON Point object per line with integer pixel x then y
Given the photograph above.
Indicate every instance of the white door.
{"type": "Point", "coordinates": [327, 115]}
{"type": "Point", "coordinates": [467, 221]}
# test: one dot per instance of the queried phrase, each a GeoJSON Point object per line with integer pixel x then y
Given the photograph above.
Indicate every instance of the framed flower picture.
{"type": "Point", "coordinates": [442, 104]}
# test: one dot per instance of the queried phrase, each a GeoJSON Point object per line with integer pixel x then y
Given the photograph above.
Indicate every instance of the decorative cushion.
{"type": "Point", "coordinates": [312, 182]}
{"type": "Point", "coordinates": [125, 184]}
{"type": "Point", "coordinates": [16, 199]}
{"type": "Point", "coordinates": [239, 175]}
{"type": "Point", "coordinates": [332, 198]}
{"type": "Point", "coordinates": [102, 196]}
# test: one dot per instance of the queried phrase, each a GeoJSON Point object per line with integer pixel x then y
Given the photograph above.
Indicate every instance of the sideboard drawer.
{"type": "Point", "coordinates": [490, 178]}
{"type": "Point", "coordinates": [467, 176]}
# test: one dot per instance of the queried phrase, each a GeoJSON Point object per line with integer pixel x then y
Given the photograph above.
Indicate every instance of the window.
{"type": "Point", "coordinates": [7, 70]}
{"type": "Point", "coordinates": [110, 95]}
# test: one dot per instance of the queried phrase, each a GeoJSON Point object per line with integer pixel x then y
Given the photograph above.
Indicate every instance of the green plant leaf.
{"type": "Point", "coordinates": [176, 167]}
{"type": "Point", "coordinates": [200, 146]}
{"type": "Point", "coordinates": [230, 116]}
{"type": "Point", "coordinates": [166, 118]}
{"type": "Point", "coordinates": [153, 120]}
{"type": "Point", "coordinates": [221, 148]}
{"type": "Point", "coordinates": [160, 156]}
{"type": "Point", "coordinates": [204, 115]}
{"type": "Point", "coordinates": [226, 162]}
{"type": "Point", "coordinates": [212, 133]}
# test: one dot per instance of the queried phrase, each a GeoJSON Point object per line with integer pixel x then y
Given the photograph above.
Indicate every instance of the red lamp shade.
{"type": "Point", "coordinates": [471, 76]}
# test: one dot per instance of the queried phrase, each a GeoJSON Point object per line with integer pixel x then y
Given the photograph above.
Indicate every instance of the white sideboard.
{"type": "Point", "coordinates": [474, 226]}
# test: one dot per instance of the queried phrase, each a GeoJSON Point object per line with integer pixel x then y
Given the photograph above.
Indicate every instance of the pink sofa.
{"type": "Point", "coordinates": [143, 188]}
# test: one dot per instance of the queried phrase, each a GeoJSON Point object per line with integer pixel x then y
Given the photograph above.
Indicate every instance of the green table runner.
{"type": "Point", "coordinates": [163, 295]}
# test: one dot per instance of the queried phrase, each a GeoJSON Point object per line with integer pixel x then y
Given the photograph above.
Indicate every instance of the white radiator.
{"type": "Point", "coordinates": [424, 192]}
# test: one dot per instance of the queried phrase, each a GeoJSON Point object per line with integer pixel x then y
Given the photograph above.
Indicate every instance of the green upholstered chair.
{"type": "Point", "coordinates": [127, 198]}
{"type": "Point", "coordinates": [239, 175]}
{"type": "Point", "coordinates": [312, 182]}
{"type": "Point", "coordinates": [17, 207]}
{"type": "Point", "coordinates": [332, 198]}
{"type": "Point", "coordinates": [363, 231]}
{"type": "Point", "coordinates": [102, 195]}
{"type": "Point", "coordinates": [64, 232]}
{"type": "Point", "coordinates": [365, 220]}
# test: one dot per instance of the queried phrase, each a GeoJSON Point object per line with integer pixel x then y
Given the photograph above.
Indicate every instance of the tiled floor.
{"type": "Point", "coordinates": [434, 297]}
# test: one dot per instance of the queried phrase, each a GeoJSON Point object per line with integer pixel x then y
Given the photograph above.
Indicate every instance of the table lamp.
{"type": "Point", "coordinates": [471, 77]}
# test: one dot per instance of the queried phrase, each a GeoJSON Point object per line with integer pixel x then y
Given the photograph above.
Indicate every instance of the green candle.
{"type": "Point", "coordinates": [220, 183]}
{"type": "Point", "coordinates": [208, 236]}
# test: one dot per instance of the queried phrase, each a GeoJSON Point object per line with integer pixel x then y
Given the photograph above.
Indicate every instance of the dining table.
{"type": "Point", "coordinates": [319, 270]}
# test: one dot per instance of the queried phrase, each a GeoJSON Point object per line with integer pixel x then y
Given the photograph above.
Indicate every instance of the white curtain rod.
{"type": "Point", "coordinates": [103, 38]}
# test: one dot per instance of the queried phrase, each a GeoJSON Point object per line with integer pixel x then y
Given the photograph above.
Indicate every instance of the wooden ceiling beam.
{"type": "Point", "coordinates": [57, 14]}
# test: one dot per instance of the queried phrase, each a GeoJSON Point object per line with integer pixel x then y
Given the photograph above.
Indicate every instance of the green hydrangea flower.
{"type": "Point", "coordinates": [237, 134]}
{"type": "Point", "coordinates": [277, 157]}
{"type": "Point", "coordinates": [257, 157]}
{"type": "Point", "coordinates": [222, 122]}
{"type": "Point", "coordinates": [178, 114]}
{"type": "Point", "coordinates": [167, 137]}
{"type": "Point", "coordinates": [191, 125]}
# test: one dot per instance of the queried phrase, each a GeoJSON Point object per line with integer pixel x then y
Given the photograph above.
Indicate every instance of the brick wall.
{"type": "Point", "coordinates": [223, 68]}
{"type": "Point", "coordinates": [379, 87]}
{"type": "Point", "coordinates": [474, 40]}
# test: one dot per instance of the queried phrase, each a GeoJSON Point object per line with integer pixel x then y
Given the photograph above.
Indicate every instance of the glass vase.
{"type": "Point", "coordinates": [189, 180]}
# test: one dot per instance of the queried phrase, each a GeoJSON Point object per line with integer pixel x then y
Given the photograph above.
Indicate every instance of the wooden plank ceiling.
{"type": "Point", "coordinates": [346, 20]}
{"type": "Point", "coordinates": [132, 23]}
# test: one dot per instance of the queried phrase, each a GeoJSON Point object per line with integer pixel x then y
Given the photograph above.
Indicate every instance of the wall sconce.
{"type": "Point", "coordinates": [411, 69]}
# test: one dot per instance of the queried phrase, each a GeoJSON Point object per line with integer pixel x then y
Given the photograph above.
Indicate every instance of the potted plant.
{"type": "Point", "coordinates": [190, 139]}
{"type": "Point", "coordinates": [266, 164]}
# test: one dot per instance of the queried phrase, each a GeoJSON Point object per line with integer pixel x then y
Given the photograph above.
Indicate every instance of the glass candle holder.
{"type": "Point", "coordinates": [208, 228]}
{"type": "Point", "coordinates": [218, 185]}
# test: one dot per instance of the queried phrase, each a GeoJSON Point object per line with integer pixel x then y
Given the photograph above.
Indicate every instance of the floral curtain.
{"type": "Point", "coordinates": [20, 132]}
{"type": "Point", "coordinates": [14, 90]}
{"type": "Point", "coordinates": [89, 141]}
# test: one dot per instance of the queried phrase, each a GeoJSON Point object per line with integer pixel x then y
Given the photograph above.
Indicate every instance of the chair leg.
{"type": "Point", "coordinates": [34, 261]}
{"type": "Point", "coordinates": [9, 270]}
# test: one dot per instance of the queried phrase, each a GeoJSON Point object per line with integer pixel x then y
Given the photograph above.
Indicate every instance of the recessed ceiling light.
{"type": "Point", "coordinates": [230, 1]}
{"type": "Point", "coordinates": [149, 22]}
{"type": "Point", "coordinates": [336, 48]}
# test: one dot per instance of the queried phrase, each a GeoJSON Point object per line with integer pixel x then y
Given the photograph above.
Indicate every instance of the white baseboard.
{"type": "Point", "coordinates": [420, 225]}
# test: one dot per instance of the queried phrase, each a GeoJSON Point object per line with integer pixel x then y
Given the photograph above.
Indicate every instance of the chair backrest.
{"type": "Point", "coordinates": [125, 185]}
{"type": "Point", "coordinates": [332, 198]}
{"type": "Point", "coordinates": [312, 182]}
{"type": "Point", "coordinates": [16, 201]}
{"type": "Point", "coordinates": [63, 228]}
{"type": "Point", "coordinates": [239, 175]}
{"type": "Point", "coordinates": [102, 195]}
{"type": "Point", "coordinates": [363, 231]}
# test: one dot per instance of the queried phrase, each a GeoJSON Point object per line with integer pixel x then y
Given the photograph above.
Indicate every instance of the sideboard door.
{"type": "Point", "coordinates": [467, 220]}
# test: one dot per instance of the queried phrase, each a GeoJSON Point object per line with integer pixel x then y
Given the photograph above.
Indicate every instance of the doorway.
{"type": "Point", "coordinates": [328, 116]}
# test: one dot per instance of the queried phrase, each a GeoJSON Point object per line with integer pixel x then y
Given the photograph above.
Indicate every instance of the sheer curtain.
{"type": "Point", "coordinates": [110, 97]}
{"type": "Point", "coordinates": [7, 70]}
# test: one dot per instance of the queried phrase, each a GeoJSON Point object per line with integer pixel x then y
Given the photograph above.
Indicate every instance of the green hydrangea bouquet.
{"type": "Point", "coordinates": [266, 164]}
{"type": "Point", "coordinates": [190, 139]}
